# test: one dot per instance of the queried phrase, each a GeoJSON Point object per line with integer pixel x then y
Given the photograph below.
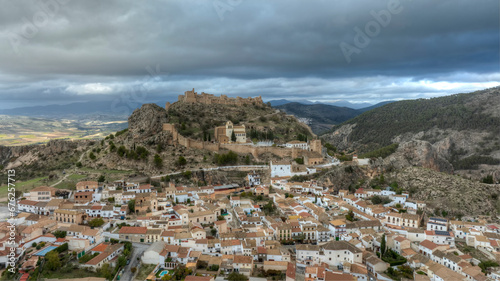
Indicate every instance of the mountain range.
{"type": "Point", "coordinates": [109, 108]}
{"type": "Point", "coordinates": [321, 117]}
{"type": "Point", "coordinates": [337, 103]}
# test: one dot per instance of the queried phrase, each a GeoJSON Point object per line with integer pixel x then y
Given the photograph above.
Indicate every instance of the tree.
{"type": "Point", "coordinates": [159, 148]}
{"type": "Point", "coordinates": [53, 261]}
{"type": "Point", "coordinates": [181, 161]}
{"type": "Point", "coordinates": [350, 216]}
{"type": "Point", "coordinates": [78, 164]}
{"type": "Point", "coordinates": [122, 261]}
{"type": "Point", "coordinates": [92, 156]}
{"type": "Point", "coordinates": [106, 271]}
{"type": "Point", "coordinates": [58, 234]}
{"type": "Point", "coordinates": [187, 174]}
{"type": "Point", "coordinates": [234, 276]}
{"type": "Point", "coordinates": [121, 151]}
{"type": "Point", "coordinates": [233, 137]}
{"type": "Point", "coordinates": [96, 222]}
{"type": "Point", "coordinates": [214, 232]}
{"type": "Point", "coordinates": [488, 179]}
{"type": "Point", "coordinates": [382, 246]}
{"type": "Point", "coordinates": [158, 161]}
{"type": "Point", "coordinates": [299, 160]}
{"type": "Point", "coordinates": [101, 178]}
{"type": "Point", "coordinates": [131, 205]}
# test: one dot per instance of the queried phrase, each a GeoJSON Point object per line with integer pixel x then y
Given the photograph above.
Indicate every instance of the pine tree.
{"type": "Point", "coordinates": [382, 246]}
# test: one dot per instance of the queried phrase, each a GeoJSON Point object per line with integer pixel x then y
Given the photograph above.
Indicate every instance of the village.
{"type": "Point", "coordinates": [276, 230]}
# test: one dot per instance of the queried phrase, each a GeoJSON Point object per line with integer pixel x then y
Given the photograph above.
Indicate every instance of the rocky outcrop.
{"type": "Point", "coordinates": [453, 194]}
{"type": "Point", "coordinates": [418, 153]}
{"type": "Point", "coordinates": [7, 153]}
{"type": "Point", "coordinates": [147, 121]}
{"type": "Point", "coordinates": [341, 137]}
{"type": "Point", "coordinates": [44, 156]}
{"type": "Point", "coordinates": [342, 177]}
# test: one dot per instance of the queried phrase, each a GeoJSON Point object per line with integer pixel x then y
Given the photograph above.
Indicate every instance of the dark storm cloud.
{"type": "Point", "coordinates": [276, 48]}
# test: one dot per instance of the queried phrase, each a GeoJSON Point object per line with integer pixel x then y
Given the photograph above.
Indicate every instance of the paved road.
{"type": "Point", "coordinates": [255, 167]}
{"type": "Point", "coordinates": [138, 250]}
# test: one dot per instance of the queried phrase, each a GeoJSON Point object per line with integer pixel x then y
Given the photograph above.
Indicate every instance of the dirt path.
{"type": "Point", "coordinates": [76, 169]}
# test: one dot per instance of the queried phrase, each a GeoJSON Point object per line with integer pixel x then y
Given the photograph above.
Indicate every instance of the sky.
{"type": "Point", "coordinates": [63, 51]}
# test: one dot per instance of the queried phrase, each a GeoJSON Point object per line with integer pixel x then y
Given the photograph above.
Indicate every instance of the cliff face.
{"type": "Point", "coordinates": [9, 152]}
{"type": "Point", "coordinates": [147, 121]}
{"type": "Point", "coordinates": [418, 153]}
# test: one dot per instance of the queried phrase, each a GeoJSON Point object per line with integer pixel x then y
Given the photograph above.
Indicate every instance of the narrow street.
{"type": "Point", "coordinates": [138, 250]}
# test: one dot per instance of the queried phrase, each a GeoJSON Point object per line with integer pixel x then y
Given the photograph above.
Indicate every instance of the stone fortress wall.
{"type": "Point", "coordinates": [204, 98]}
{"type": "Point", "coordinates": [311, 157]}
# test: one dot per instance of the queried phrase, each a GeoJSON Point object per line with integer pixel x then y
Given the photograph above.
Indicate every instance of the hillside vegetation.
{"type": "Point", "coordinates": [262, 121]}
{"type": "Point", "coordinates": [462, 129]}
{"type": "Point", "coordinates": [377, 128]}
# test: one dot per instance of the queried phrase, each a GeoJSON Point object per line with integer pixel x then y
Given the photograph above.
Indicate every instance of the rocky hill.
{"type": "Point", "coordinates": [455, 195]}
{"type": "Point", "coordinates": [198, 120]}
{"type": "Point", "coordinates": [458, 132]}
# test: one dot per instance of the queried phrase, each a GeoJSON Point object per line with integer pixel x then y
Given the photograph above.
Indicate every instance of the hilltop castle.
{"type": "Point", "coordinates": [204, 98]}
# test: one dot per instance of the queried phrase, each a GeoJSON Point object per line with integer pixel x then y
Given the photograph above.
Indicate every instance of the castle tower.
{"type": "Point", "coordinates": [315, 145]}
{"type": "Point", "coordinates": [229, 129]}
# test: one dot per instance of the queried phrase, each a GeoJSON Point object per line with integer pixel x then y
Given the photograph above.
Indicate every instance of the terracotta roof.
{"type": "Point", "coordinates": [133, 230]}
{"type": "Point", "coordinates": [242, 259]}
{"type": "Point", "coordinates": [100, 248]}
{"type": "Point", "coordinates": [27, 202]}
{"type": "Point", "coordinates": [44, 188]}
{"type": "Point", "coordinates": [428, 244]}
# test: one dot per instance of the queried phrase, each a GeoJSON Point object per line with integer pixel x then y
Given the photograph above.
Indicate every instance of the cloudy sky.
{"type": "Point", "coordinates": [61, 51]}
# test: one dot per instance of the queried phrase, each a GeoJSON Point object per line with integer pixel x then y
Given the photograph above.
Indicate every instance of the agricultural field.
{"type": "Point", "coordinates": [22, 130]}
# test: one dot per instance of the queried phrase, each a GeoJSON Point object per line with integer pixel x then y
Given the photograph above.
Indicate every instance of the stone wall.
{"type": "Point", "coordinates": [193, 97]}
{"type": "Point", "coordinates": [188, 142]}
{"type": "Point", "coordinates": [311, 157]}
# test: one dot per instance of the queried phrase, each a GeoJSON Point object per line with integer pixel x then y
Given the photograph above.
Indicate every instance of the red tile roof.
{"type": "Point", "coordinates": [133, 230]}
{"type": "Point", "coordinates": [428, 244]}
{"type": "Point", "coordinates": [100, 248]}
